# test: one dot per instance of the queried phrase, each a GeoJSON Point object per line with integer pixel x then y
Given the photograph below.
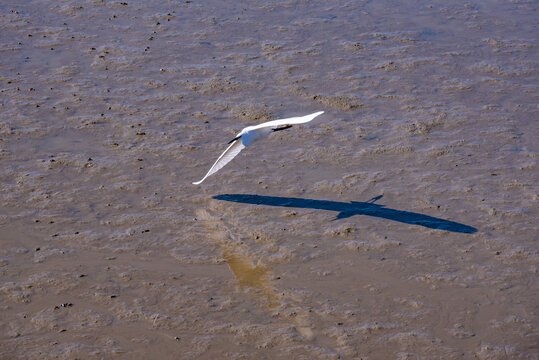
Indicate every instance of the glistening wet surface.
{"type": "Point", "coordinates": [400, 224]}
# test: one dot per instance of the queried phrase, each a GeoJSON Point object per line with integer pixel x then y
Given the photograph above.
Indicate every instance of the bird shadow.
{"type": "Point", "coordinates": [352, 208]}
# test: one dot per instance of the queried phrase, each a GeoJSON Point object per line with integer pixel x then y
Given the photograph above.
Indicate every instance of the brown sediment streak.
{"type": "Point", "coordinates": [252, 276]}
{"type": "Point", "coordinates": [252, 273]}
{"type": "Point", "coordinates": [241, 264]}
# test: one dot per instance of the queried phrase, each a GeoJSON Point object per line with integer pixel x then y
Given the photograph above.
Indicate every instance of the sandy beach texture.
{"type": "Point", "coordinates": [400, 224]}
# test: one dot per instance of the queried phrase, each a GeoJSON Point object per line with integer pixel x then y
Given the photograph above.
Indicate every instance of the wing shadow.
{"type": "Point", "coordinates": [348, 209]}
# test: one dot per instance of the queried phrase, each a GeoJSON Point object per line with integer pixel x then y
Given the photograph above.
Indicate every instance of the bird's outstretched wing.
{"type": "Point", "coordinates": [289, 121]}
{"type": "Point", "coordinates": [229, 154]}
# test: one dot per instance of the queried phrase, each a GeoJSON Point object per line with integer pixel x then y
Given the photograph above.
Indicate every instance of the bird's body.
{"type": "Point", "coordinates": [252, 133]}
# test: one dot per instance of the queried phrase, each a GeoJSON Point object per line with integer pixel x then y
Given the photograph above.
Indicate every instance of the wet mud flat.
{"type": "Point", "coordinates": [401, 224]}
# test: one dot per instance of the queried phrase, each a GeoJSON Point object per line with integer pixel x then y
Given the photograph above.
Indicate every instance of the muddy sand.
{"type": "Point", "coordinates": [400, 224]}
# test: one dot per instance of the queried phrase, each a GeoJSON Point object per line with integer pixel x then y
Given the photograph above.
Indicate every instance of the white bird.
{"type": "Point", "coordinates": [252, 133]}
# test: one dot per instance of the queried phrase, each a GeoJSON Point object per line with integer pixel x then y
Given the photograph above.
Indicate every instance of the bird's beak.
{"type": "Point", "coordinates": [236, 138]}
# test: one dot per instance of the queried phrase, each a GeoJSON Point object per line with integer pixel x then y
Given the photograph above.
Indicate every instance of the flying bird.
{"type": "Point", "coordinates": [252, 133]}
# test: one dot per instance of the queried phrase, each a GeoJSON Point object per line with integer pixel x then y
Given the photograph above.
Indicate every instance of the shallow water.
{"type": "Point", "coordinates": [399, 224]}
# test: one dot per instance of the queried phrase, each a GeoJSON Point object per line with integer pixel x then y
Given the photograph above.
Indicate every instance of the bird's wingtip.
{"type": "Point", "coordinates": [313, 115]}
{"type": "Point", "coordinates": [197, 183]}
